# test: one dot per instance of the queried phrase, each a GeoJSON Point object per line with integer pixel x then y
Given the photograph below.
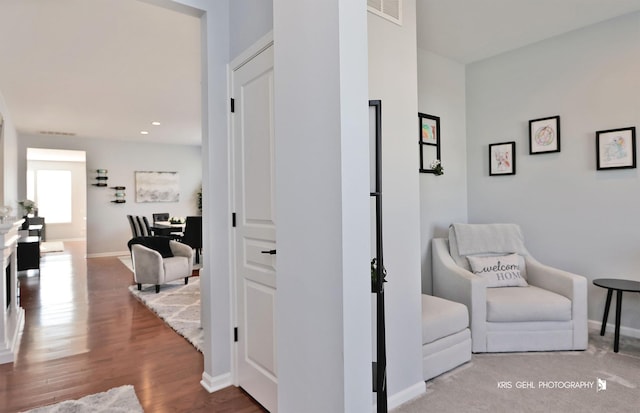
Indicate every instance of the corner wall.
{"type": "Point", "coordinates": [443, 198]}
{"type": "Point", "coordinates": [573, 216]}
{"type": "Point", "coordinates": [393, 79]}
{"type": "Point", "coordinates": [8, 160]}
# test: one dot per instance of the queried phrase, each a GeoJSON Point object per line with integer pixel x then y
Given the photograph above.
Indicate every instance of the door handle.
{"type": "Point", "coordinates": [270, 252]}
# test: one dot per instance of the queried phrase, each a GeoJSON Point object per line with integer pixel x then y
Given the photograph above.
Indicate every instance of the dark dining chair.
{"type": "Point", "coordinates": [144, 232]}
{"type": "Point", "coordinates": [161, 216]}
{"type": "Point", "coordinates": [147, 226]}
{"type": "Point", "coordinates": [133, 223]}
{"type": "Point", "coordinates": [193, 235]}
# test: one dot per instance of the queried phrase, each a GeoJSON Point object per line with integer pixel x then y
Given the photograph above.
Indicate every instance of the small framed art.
{"type": "Point", "coordinates": [429, 142]}
{"type": "Point", "coordinates": [502, 158]}
{"type": "Point", "coordinates": [544, 135]}
{"type": "Point", "coordinates": [616, 148]}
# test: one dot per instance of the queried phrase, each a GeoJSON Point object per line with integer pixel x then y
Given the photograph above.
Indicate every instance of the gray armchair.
{"type": "Point", "coordinates": [550, 313]}
{"type": "Point", "coordinates": [158, 260]}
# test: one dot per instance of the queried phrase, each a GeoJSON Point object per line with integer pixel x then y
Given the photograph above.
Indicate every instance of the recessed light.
{"type": "Point", "coordinates": [144, 132]}
{"type": "Point", "coordinates": [155, 123]}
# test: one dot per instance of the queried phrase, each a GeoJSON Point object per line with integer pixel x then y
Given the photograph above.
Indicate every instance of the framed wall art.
{"type": "Point", "coordinates": [544, 135]}
{"type": "Point", "coordinates": [616, 148]}
{"type": "Point", "coordinates": [502, 158]}
{"type": "Point", "coordinates": [157, 186]}
{"type": "Point", "coordinates": [429, 143]}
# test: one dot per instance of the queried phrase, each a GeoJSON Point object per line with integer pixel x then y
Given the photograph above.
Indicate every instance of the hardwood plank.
{"type": "Point", "coordinates": [85, 333]}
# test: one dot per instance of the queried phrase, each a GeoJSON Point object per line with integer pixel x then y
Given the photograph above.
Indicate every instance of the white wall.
{"type": "Point", "coordinates": [393, 79]}
{"type": "Point", "coordinates": [443, 198]}
{"type": "Point", "coordinates": [322, 206]}
{"type": "Point", "coordinates": [107, 226]}
{"type": "Point", "coordinates": [573, 216]}
{"type": "Point", "coordinates": [249, 21]}
{"type": "Point", "coordinates": [8, 160]}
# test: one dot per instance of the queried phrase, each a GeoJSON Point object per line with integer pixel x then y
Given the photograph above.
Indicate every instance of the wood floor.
{"type": "Point", "coordinates": [85, 333]}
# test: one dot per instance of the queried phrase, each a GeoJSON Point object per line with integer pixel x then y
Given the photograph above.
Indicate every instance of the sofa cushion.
{"type": "Point", "coordinates": [441, 318]}
{"type": "Point", "coordinates": [499, 270]}
{"type": "Point", "coordinates": [518, 304]}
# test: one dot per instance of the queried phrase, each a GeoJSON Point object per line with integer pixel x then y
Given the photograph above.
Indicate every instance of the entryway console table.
{"type": "Point", "coordinates": [12, 315]}
{"type": "Point", "coordinates": [619, 286]}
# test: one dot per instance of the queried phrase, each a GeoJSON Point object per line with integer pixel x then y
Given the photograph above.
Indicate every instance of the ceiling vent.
{"type": "Point", "coordinates": [389, 9]}
{"type": "Point", "coordinates": [50, 132]}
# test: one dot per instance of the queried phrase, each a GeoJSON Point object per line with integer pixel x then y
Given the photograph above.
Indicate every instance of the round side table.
{"type": "Point", "coordinates": [619, 286]}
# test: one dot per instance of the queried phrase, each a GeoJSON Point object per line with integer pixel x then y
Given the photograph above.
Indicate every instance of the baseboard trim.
{"type": "Point", "coordinates": [108, 254]}
{"type": "Point", "coordinates": [624, 331]}
{"type": "Point", "coordinates": [212, 384]}
{"type": "Point", "coordinates": [405, 395]}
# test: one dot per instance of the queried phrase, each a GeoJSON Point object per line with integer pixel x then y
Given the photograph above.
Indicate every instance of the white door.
{"type": "Point", "coordinates": [255, 231]}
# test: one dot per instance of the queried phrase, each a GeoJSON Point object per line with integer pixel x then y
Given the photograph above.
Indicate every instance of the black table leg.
{"type": "Point", "coordinates": [616, 339]}
{"type": "Point", "coordinates": [603, 328]}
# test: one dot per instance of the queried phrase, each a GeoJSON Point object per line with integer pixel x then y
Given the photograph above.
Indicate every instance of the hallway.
{"type": "Point", "coordinates": [85, 333]}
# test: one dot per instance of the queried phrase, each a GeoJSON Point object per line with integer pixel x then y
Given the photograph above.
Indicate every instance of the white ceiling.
{"type": "Point", "coordinates": [472, 30]}
{"type": "Point", "coordinates": [101, 68]}
{"type": "Point", "coordinates": [108, 68]}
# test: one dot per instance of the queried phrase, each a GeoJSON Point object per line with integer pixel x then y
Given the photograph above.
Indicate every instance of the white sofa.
{"type": "Point", "coordinates": [446, 340]}
{"type": "Point", "coordinates": [549, 314]}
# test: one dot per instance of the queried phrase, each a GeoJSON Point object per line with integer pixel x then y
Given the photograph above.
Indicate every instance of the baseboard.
{"type": "Point", "coordinates": [212, 384]}
{"type": "Point", "coordinates": [108, 254]}
{"type": "Point", "coordinates": [625, 331]}
{"type": "Point", "coordinates": [404, 396]}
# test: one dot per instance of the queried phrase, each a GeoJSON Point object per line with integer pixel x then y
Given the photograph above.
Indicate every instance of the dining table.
{"type": "Point", "coordinates": [167, 227]}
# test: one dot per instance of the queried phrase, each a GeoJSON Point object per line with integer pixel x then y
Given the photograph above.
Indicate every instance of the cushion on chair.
{"type": "Point", "coordinates": [518, 304]}
{"type": "Point", "coordinates": [441, 318]}
{"type": "Point", "coordinates": [463, 262]}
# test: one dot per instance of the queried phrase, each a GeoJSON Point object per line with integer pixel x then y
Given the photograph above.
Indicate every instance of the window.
{"type": "Point", "coordinates": [53, 195]}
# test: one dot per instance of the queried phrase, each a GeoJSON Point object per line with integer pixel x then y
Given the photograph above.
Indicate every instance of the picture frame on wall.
{"type": "Point", "coordinates": [544, 135]}
{"type": "Point", "coordinates": [428, 141]}
{"type": "Point", "coordinates": [616, 148]}
{"type": "Point", "coordinates": [502, 158]}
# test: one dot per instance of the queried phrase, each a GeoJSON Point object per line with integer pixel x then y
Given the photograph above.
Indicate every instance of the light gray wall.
{"type": "Point", "coordinates": [573, 216]}
{"type": "Point", "coordinates": [249, 21]}
{"type": "Point", "coordinates": [393, 79]}
{"type": "Point", "coordinates": [443, 198]}
{"type": "Point", "coordinates": [107, 226]}
{"type": "Point", "coordinates": [8, 160]}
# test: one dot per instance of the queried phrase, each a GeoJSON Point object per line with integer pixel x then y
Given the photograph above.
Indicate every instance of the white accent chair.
{"type": "Point", "coordinates": [446, 341]}
{"type": "Point", "coordinates": [549, 314]}
{"type": "Point", "coordinates": [158, 260]}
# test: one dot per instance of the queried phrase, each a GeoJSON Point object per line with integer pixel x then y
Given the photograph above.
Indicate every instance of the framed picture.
{"type": "Point", "coordinates": [544, 135]}
{"type": "Point", "coordinates": [502, 158]}
{"type": "Point", "coordinates": [428, 141]}
{"type": "Point", "coordinates": [616, 148]}
{"type": "Point", "coordinates": [157, 186]}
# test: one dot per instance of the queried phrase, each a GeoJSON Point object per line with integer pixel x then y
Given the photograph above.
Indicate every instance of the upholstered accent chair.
{"type": "Point", "coordinates": [158, 260]}
{"type": "Point", "coordinates": [547, 311]}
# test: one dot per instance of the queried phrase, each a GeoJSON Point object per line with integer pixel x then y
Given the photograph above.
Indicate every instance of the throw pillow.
{"type": "Point", "coordinates": [499, 271]}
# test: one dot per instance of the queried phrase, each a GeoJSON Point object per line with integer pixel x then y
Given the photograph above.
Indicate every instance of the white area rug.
{"type": "Point", "coordinates": [178, 305]}
{"type": "Point", "coordinates": [51, 246]}
{"type": "Point", "coordinates": [117, 400]}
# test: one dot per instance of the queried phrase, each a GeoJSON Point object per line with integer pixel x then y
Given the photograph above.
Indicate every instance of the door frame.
{"type": "Point", "coordinates": [252, 51]}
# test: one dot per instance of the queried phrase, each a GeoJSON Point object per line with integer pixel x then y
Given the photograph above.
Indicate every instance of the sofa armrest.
{"type": "Point", "coordinates": [181, 250]}
{"type": "Point", "coordinates": [457, 284]}
{"type": "Point", "coordinates": [147, 264]}
{"type": "Point", "coordinates": [569, 285]}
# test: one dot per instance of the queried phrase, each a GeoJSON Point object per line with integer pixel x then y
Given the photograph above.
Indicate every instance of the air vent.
{"type": "Point", "coordinates": [389, 9]}
{"type": "Point", "coordinates": [51, 132]}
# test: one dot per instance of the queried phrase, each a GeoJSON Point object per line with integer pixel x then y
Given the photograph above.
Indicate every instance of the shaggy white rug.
{"type": "Point", "coordinates": [178, 305]}
{"type": "Point", "coordinates": [117, 400]}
